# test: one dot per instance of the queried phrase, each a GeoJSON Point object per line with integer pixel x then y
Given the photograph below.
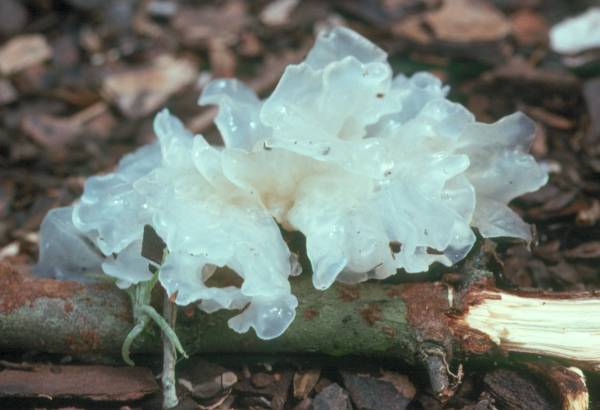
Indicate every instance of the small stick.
{"type": "Point", "coordinates": [169, 357]}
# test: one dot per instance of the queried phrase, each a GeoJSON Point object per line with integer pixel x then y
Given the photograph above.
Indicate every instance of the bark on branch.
{"type": "Point", "coordinates": [429, 323]}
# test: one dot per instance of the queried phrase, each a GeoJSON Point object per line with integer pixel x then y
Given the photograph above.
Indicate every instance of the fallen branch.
{"type": "Point", "coordinates": [428, 323]}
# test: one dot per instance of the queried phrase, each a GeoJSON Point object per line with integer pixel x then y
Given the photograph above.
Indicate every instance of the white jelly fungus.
{"type": "Point", "coordinates": [576, 34]}
{"type": "Point", "coordinates": [341, 151]}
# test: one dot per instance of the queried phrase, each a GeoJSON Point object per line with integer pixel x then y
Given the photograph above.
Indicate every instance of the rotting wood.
{"type": "Point", "coordinates": [427, 323]}
{"type": "Point", "coordinates": [515, 391]}
{"type": "Point", "coordinates": [567, 384]}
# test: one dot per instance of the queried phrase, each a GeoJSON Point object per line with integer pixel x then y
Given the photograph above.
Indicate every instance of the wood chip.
{"type": "Point", "coordinates": [262, 380]}
{"type": "Point", "coordinates": [8, 93]}
{"type": "Point", "coordinates": [52, 133]}
{"type": "Point", "coordinates": [209, 384]}
{"type": "Point", "coordinates": [13, 16]}
{"type": "Point", "coordinates": [587, 250]}
{"type": "Point", "coordinates": [515, 390]}
{"type": "Point", "coordinates": [277, 389]}
{"type": "Point", "coordinates": [197, 26]}
{"type": "Point", "coordinates": [471, 29]}
{"type": "Point", "coordinates": [400, 382]}
{"type": "Point", "coordinates": [567, 384]}
{"type": "Point", "coordinates": [277, 13]}
{"type": "Point", "coordinates": [140, 92]}
{"type": "Point", "coordinates": [466, 21]}
{"type": "Point", "coordinates": [560, 200]}
{"type": "Point", "coordinates": [98, 383]}
{"type": "Point", "coordinates": [373, 393]}
{"type": "Point", "coordinates": [22, 52]}
{"type": "Point", "coordinates": [565, 272]}
{"type": "Point", "coordinates": [222, 60]}
{"type": "Point", "coordinates": [529, 27]}
{"type": "Point", "coordinates": [547, 117]}
{"type": "Point", "coordinates": [591, 93]}
{"type": "Point", "coordinates": [589, 216]}
{"type": "Point", "coordinates": [305, 381]}
{"type": "Point", "coordinates": [332, 398]}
